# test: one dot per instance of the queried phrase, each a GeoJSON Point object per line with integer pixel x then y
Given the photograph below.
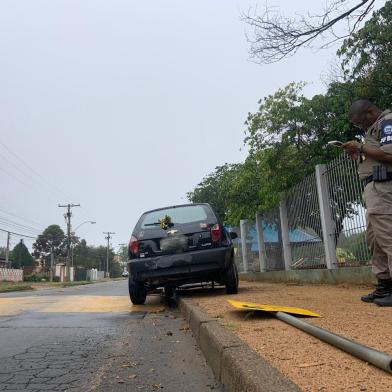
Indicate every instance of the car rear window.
{"type": "Point", "coordinates": [178, 215]}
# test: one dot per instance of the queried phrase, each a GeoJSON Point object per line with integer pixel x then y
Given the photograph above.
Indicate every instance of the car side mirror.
{"type": "Point", "coordinates": [233, 235]}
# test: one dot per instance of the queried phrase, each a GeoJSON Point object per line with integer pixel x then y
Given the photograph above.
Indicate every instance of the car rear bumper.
{"type": "Point", "coordinates": [188, 266]}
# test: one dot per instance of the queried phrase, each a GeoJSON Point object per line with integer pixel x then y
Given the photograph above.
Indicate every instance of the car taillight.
{"type": "Point", "coordinates": [216, 233]}
{"type": "Point", "coordinates": [133, 245]}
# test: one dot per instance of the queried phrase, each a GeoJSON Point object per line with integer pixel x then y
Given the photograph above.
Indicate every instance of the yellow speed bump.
{"type": "Point", "coordinates": [100, 304]}
{"type": "Point", "coordinates": [272, 308]}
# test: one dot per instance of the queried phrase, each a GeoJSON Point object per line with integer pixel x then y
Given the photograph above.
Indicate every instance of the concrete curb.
{"type": "Point", "coordinates": [234, 363]}
{"type": "Point", "coordinates": [350, 275]}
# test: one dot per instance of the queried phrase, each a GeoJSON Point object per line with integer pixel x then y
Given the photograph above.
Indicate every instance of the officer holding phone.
{"type": "Point", "coordinates": [374, 158]}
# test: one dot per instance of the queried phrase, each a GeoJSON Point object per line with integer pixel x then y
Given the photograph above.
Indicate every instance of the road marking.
{"type": "Point", "coordinates": [76, 304]}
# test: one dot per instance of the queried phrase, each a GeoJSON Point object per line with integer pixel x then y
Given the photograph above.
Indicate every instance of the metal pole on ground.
{"type": "Point", "coordinates": [367, 354]}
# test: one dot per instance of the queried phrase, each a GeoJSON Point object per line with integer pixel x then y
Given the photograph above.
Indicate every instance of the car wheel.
{"type": "Point", "coordinates": [231, 279]}
{"type": "Point", "coordinates": [169, 292]}
{"type": "Point", "coordinates": [137, 292]}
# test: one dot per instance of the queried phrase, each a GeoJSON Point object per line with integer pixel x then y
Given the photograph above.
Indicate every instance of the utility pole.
{"type": "Point", "coordinates": [67, 216]}
{"type": "Point", "coordinates": [108, 237]}
{"type": "Point", "coordinates": [51, 262]}
{"type": "Point", "coordinates": [7, 251]}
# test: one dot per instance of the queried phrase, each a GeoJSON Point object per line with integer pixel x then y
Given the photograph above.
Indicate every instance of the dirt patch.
{"type": "Point", "coordinates": [310, 363]}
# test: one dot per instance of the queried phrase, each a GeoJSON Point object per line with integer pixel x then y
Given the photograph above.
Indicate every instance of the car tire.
{"type": "Point", "coordinates": [169, 292]}
{"type": "Point", "coordinates": [231, 279]}
{"type": "Point", "coordinates": [137, 292]}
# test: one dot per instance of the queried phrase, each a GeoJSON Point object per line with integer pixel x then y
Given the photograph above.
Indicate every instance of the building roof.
{"type": "Point", "coordinates": [271, 236]}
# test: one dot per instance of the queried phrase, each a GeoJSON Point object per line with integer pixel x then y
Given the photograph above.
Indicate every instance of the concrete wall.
{"type": "Point", "coordinates": [11, 275]}
{"type": "Point", "coordinates": [94, 274]}
{"type": "Point", "coordinates": [353, 275]}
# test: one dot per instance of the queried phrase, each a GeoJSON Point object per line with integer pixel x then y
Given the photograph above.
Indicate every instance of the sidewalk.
{"type": "Point", "coordinates": [310, 363]}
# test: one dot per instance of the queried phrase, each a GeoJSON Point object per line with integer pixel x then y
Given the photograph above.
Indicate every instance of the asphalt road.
{"type": "Point", "coordinates": [90, 338]}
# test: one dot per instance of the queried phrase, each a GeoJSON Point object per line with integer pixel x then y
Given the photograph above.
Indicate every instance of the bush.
{"type": "Point", "coordinates": [35, 278]}
{"type": "Point", "coordinates": [56, 278]}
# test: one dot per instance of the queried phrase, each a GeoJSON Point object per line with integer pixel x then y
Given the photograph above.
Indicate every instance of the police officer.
{"type": "Point", "coordinates": [374, 158]}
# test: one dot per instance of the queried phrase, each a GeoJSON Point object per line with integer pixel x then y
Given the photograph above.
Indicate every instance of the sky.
{"type": "Point", "coordinates": [124, 106]}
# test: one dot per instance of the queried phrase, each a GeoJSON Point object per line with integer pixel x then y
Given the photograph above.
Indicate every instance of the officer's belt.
{"type": "Point", "coordinates": [369, 179]}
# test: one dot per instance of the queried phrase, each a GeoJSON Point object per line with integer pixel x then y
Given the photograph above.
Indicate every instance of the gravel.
{"type": "Point", "coordinates": [310, 363]}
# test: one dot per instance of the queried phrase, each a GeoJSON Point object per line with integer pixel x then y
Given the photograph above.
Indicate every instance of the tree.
{"type": "Point", "coordinates": [214, 187]}
{"type": "Point", "coordinates": [83, 257]}
{"type": "Point", "coordinates": [21, 256]}
{"type": "Point", "coordinates": [287, 136]}
{"type": "Point", "coordinates": [275, 36]}
{"type": "Point", "coordinates": [367, 58]}
{"type": "Point", "coordinates": [53, 237]}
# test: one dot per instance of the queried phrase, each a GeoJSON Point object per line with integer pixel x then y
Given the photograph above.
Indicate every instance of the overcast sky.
{"type": "Point", "coordinates": [124, 106]}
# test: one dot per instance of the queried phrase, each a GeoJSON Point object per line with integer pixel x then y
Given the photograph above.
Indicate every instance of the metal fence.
{"type": "Point", "coordinates": [320, 223]}
{"type": "Point", "coordinates": [304, 223]}
{"type": "Point", "coordinates": [348, 211]}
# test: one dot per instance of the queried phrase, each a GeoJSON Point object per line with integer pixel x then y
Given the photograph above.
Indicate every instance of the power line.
{"type": "Point", "coordinates": [42, 179]}
{"type": "Point", "coordinates": [108, 237]}
{"type": "Point", "coordinates": [19, 234]}
{"type": "Point", "coordinates": [20, 217]}
{"type": "Point", "coordinates": [9, 221]}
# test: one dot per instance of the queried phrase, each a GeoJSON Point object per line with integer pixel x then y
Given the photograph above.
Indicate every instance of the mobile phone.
{"type": "Point", "coordinates": [336, 143]}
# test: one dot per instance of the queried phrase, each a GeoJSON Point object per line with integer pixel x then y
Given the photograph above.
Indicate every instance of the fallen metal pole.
{"type": "Point", "coordinates": [375, 357]}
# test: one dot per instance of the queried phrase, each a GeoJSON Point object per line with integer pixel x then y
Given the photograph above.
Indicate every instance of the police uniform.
{"type": "Point", "coordinates": [377, 196]}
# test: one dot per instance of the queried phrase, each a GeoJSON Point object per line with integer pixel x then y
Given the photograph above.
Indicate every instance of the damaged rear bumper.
{"type": "Point", "coordinates": [180, 268]}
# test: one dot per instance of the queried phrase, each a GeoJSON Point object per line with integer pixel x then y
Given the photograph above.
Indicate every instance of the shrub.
{"type": "Point", "coordinates": [35, 278]}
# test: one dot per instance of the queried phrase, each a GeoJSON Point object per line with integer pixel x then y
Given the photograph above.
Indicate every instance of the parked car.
{"type": "Point", "coordinates": [178, 245]}
{"type": "Point", "coordinates": [124, 274]}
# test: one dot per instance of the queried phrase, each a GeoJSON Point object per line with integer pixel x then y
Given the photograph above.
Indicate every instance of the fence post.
{"type": "Point", "coordinates": [243, 227]}
{"type": "Point", "coordinates": [285, 234]}
{"type": "Point", "coordinates": [261, 243]}
{"type": "Point", "coordinates": [327, 222]}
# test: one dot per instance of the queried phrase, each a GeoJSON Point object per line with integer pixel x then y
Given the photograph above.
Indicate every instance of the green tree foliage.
{"type": "Point", "coordinates": [86, 256]}
{"type": "Point", "coordinates": [287, 135]}
{"type": "Point", "coordinates": [367, 58]}
{"type": "Point", "coordinates": [21, 256]}
{"type": "Point", "coordinates": [52, 237]}
{"type": "Point", "coordinates": [214, 188]}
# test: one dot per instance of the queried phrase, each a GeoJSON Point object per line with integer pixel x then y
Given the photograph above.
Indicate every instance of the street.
{"type": "Point", "coordinates": [90, 338]}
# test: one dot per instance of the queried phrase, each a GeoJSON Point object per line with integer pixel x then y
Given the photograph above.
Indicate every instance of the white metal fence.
{"type": "Point", "coordinates": [94, 274]}
{"type": "Point", "coordinates": [320, 223]}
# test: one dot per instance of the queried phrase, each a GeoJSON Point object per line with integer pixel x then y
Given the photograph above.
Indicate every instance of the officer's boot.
{"type": "Point", "coordinates": [383, 290]}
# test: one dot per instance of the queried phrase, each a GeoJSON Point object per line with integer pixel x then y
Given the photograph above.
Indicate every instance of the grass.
{"type": "Point", "coordinates": [6, 287]}
{"type": "Point", "coordinates": [60, 284]}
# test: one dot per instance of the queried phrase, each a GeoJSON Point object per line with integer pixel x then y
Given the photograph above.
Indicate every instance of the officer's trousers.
{"type": "Point", "coordinates": [379, 240]}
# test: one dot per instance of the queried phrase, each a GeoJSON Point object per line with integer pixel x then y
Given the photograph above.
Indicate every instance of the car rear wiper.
{"type": "Point", "coordinates": [152, 224]}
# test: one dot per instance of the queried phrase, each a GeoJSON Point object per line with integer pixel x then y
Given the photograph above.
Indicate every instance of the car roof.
{"type": "Point", "coordinates": [178, 205]}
